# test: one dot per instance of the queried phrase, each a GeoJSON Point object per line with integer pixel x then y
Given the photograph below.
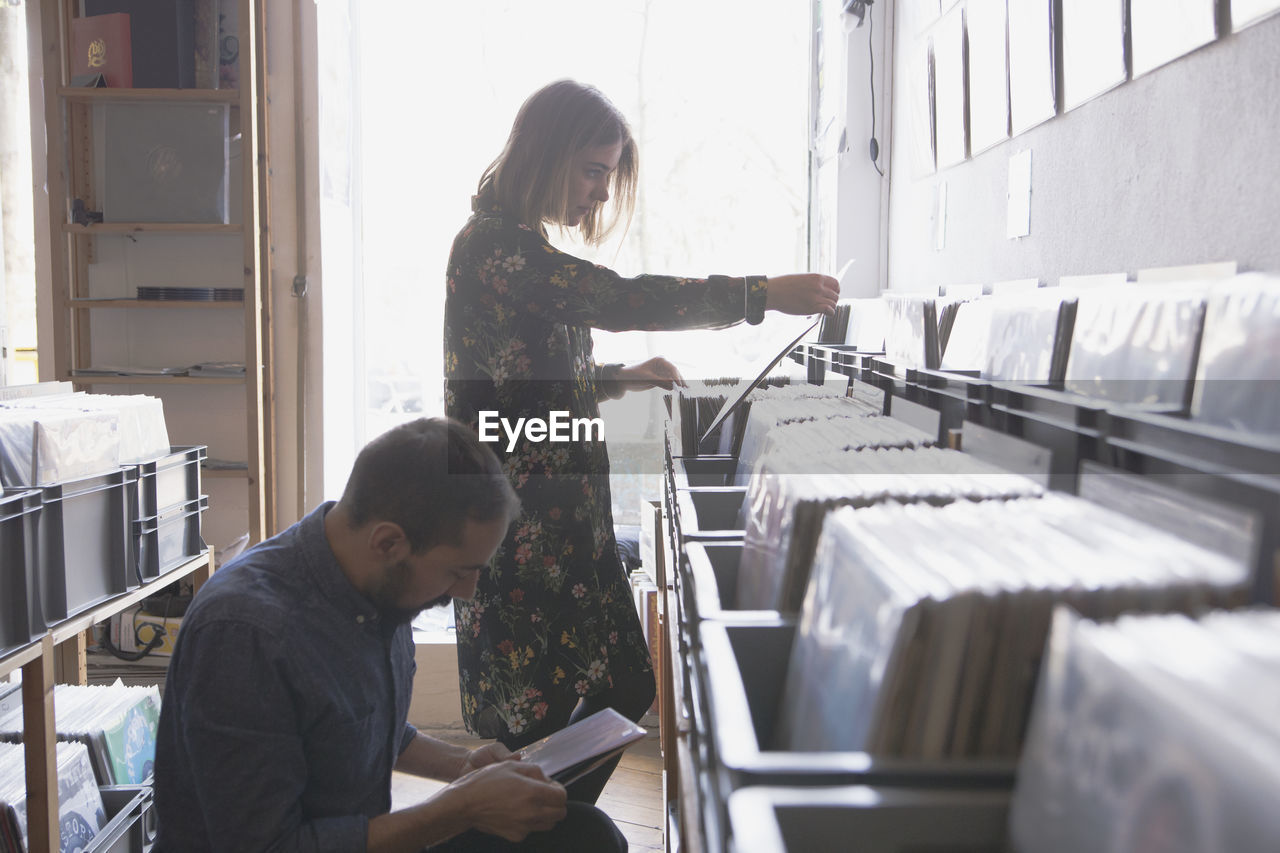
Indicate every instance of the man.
{"type": "Point", "coordinates": [288, 692]}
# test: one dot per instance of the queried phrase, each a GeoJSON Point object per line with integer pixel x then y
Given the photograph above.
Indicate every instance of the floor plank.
{"type": "Point", "coordinates": [633, 797]}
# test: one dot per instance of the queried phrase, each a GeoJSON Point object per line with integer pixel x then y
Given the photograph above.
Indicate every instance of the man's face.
{"type": "Point", "coordinates": [440, 574]}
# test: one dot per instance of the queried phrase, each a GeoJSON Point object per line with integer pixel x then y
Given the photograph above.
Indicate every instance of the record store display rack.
{"type": "Point", "coordinates": [992, 572]}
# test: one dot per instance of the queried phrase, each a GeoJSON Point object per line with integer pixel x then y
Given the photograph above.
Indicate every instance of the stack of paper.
{"type": "Point", "coordinates": [80, 810]}
{"type": "Point", "coordinates": [116, 722]}
{"type": "Point", "coordinates": [1154, 733]}
{"type": "Point", "coordinates": [923, 626]}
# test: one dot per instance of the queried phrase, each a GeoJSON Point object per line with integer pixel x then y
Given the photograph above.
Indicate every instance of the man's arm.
{"type": "Point", "coordinates": [238, 746]}
{"type": "Point", "coordinates": [435, 759]}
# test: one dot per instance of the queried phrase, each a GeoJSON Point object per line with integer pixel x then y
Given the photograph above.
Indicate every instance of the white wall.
{"type": "Point", "coordinates": [1176, 167]}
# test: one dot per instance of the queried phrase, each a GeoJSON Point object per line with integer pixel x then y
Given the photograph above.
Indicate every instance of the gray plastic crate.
{"type": "Point", "coordinates": [169, 480]}
{"type": "Point", "coordinates": [168, 540]}
{"type": "Point", "coordinates": [21, 616]}
{"type": "Point", "coordinates": [84, 551]}
{"type": "Point", "coordinates": [868, 820]}
{"type": "Point", "coordinates": [131, 824]}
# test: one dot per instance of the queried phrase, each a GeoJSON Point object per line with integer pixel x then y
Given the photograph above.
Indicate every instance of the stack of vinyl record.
{"type": "Point", "coordinates": [1136, 345]}
{"type": "Point", "coordinates": [192, 294]}
{"type": "Point", "coordinates": [788, 500]}
{"type": "Point", "coordinates": [1238, 371]}
{"type": "Point", "coordinates": [701, 401]}
{"type": "Point", "coordinates": [912, 336]}
{"type": "Point", "coordinates": [969, 337]}
{"type": "Point", "coordinates": [835, 327]}
{"type": "Point", "coordinates": [116, 722]}
{"type": "Point", "coordinates": [1154, 733]}
{"type": "Point", "coordinates": [769, 415]}
{"type": "Point", "coordinates": [923, 626]}
{"type": "Point", "coordinates": [868, 320]}
{"type": "Point", "coordinates": [1029, 336]}
{"type": "Point", "coordinates": [80, 809]}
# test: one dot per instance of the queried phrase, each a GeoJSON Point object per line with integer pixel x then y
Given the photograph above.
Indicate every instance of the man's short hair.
{"type": "Point", "coordinates": [429, 476]}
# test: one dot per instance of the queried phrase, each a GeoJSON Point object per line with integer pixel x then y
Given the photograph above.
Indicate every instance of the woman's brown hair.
{"type": "Point", "coordinates": [530, 178]}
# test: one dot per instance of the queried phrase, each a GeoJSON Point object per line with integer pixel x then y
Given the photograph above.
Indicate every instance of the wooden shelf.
{"type": "Point", "coordinates": [19, 657]}
{"type": "Point", "coordinates": [106, 95]}
{"type": "Point", "coordinates": [109, 228]}
{"type": "Point", "coordinates": [154, 303]}
{"type": "Point", "coordinates": [68, 628]}
{"type": "Point", "coordinates": [97, 379]}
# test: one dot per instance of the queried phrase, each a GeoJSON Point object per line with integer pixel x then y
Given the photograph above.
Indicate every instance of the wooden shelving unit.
{"type": "Point", "coordinates": [37, 660]}
{"type": "Point", "coordinates": [72, 159]}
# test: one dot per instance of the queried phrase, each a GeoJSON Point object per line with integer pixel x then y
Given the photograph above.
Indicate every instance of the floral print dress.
{"type": "Point", "coordinates": [552, 619]}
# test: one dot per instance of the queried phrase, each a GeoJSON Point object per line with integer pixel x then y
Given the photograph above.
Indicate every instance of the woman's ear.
{"type": "Point", "coordinates": [388, 541]}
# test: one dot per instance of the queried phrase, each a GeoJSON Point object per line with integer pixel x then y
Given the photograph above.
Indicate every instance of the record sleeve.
{"type": "Point", "coordinates": [576, 750]}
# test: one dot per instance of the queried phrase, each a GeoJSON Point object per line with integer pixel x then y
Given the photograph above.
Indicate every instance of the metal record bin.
{"type": "Point", "coordinates": [868, 820]}
{"type": "Point", "coordinates": [742, 668]}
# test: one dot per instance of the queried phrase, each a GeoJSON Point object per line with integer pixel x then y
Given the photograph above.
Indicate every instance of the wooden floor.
{"type": "Point", "coordinates": [633, 797]}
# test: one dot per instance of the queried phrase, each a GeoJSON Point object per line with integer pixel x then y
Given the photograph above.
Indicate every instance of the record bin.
{"type": "Point", "coordinates": [743, 669]}
{"type": "Point", "coordinates": [709, 580]}
{"type": "Point", "coordinates": [1233, 467]}
{"type": "Point", "coordinates": [131, 821]}
{"type": "Point", "coordinates": [1070, 426]}
{"type": "Point", "coordinates": [700, 471]}
{"type": "Point", "coordinates": [21, 616]}
{"type": "Point", "coordinates": [868, 820]}
{"type": "Point", "coordinates": [709, 513]}
{"type": "Point", "coordinates": [83, 549]}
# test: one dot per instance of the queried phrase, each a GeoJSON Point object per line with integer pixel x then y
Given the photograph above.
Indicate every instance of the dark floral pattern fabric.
{"type": "Point", "coordinates": [552, 618]}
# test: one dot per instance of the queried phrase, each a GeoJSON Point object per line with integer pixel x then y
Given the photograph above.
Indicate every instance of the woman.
{"type": "Point", "coordinates": [552, 635]}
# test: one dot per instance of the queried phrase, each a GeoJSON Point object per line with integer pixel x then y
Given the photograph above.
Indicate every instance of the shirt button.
{"type": "Point", "coordinates": [360, 619]}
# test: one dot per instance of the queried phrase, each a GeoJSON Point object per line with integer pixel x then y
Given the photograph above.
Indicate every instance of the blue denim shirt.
{"type": "Point", "coordinates": [285, 706]}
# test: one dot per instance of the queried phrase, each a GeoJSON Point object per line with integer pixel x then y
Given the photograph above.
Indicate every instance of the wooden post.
{"type": "Point", "coordinates": [40, 741]}
{"type": "Point", "coordinates": [71, 659]}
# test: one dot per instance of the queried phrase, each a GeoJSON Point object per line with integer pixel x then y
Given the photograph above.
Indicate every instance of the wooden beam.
{"type": "Point", "coordinates": [40, 740]}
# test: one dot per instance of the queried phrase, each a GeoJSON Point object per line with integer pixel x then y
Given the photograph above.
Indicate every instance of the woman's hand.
{"type": "Point", "coordinates": [802, 293]}
{"type": "Point", "coordinates": [657, 372]}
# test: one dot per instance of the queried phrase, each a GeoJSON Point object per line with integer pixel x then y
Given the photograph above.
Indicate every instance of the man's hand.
{"type": "Point", "coordinates": [486, 755]}
{"type": "Point", "coordinates": [511, 799]}
{"type": "Point", "coordinates": [657, 372]}
{"type": "Point", "coordinates": [802, 293]}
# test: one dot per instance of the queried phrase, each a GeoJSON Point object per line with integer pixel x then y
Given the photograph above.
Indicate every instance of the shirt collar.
{"type": "Point", "coordinates": [329, 578]}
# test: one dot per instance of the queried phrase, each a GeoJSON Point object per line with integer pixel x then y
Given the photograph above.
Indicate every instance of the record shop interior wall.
{"type": "Point", "coordinates": [1178, 166]}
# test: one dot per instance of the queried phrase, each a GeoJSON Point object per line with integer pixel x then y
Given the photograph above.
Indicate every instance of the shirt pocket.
{"type": "Point", "coordinates": [346, 748]}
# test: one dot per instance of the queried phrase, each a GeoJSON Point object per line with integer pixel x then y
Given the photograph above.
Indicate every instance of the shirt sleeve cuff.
{"type": "Point", "coordinates": [410, 732]}
{"type": "Point", "coordinates": [756, 289]}
{"type": "Point", "coordinates": [346, 834]}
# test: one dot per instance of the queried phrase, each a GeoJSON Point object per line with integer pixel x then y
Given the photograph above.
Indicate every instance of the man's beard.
{"type": "Point", "coordinates": [389, 591]}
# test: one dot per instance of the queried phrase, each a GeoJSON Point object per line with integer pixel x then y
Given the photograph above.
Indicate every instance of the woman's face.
{"type": "Point", "coordinates": [589, 180]}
